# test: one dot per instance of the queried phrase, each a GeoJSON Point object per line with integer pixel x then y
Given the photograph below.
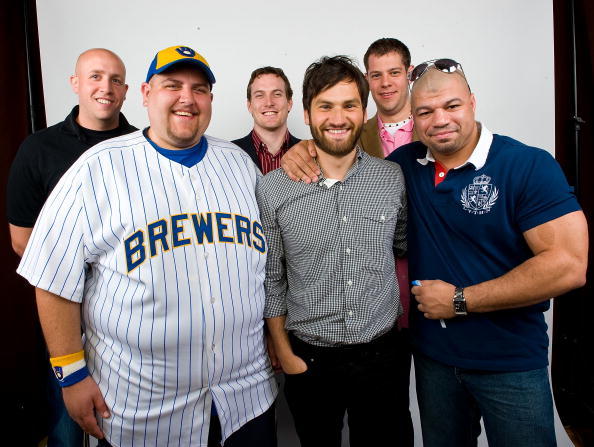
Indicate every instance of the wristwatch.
{"type": "Point", "coordinates": [459, 302]}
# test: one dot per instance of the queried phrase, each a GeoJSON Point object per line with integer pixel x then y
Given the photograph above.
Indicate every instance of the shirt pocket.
{"type": "Point", "coordinates": [377, 225]}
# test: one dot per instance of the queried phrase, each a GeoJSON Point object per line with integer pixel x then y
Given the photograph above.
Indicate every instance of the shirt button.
{"type": "Point", "coordinates": [205, 254]}
{"type": "Point", "coordinates": [213, 347]}
{"type": "Point", "coordinates": [340, 187]}
{"type": "Point", "coordinates": [212, 299]}
{"type": "Point", "coordinates": [348, 251]}
{"type": "Point", "coordinates": [350, 313]}
{"type": "Point", "coordinates": [382, 218]}
{"type": "Point", "coordinates": [344, 218]}
{"type": "Point", "coordinates": [349, 283]}
{"type": "Point", "coordinates": [441, 174]}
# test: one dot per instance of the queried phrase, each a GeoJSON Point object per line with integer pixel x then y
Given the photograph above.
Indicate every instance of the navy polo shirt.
{"type": "Point", "coordinates": [468, 229]}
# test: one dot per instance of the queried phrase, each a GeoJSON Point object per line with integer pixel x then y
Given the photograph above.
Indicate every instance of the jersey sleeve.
{"type": "Point", "coordinates": [24, 190]}
{"type": "Point", "coordinates": [546, 195]}
{"type": "Point", "coordinates": [275, 283]}
{"type": "Point", "coordinates": [55, 256]}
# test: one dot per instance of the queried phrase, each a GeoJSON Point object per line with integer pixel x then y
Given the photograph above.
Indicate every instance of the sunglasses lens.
{"type": "Point", "coordinates": [446, 65]}
{"type": "Point", "coordinates": [418, 71]}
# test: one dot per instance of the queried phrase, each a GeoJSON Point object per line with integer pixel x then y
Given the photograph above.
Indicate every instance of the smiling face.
{"type": "Point", "coordinates": [336, 117]}
{"type": "Point", "coordinates": [100, 83]}
{"type": "Point", "coordinates": [388, 84]}
{"type": "Point", "coordinates": [269, 104]}
{"type": "Point", "coordinates": [443, 110]}
{"type": "Point", "coordinates": [179, 104]}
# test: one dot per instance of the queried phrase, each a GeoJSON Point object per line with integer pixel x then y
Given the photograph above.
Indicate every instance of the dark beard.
{"type": "Point", "coordinates": [333, 148]}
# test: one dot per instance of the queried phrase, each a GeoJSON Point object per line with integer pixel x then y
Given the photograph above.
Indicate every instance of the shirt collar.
{"type": "Point", "coordinates": [479, 154]}
{"type": "Point", "coordinates": [359, 162]}
{"type": "Point", "coordinates": [261, 146]}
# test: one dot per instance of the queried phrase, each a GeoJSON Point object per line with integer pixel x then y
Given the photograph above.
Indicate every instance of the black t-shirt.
{"type": "Point", "coordinates": [43, 158]}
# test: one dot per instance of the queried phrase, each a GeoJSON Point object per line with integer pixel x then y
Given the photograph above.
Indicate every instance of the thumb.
{"type": "Point", "coordinates": [101, 406]}
{"type": "Point", "coordinates": [311, 147]}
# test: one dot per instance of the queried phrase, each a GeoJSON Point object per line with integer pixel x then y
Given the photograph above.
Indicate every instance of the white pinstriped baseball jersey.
{"type": "Point", "coordinates": [168, 263]}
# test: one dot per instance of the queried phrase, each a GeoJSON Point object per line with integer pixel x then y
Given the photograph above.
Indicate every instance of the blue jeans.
{"type": "Point", "coordinates": [517, 407]}
{"type": "Point", "coordinates": [63, 431]}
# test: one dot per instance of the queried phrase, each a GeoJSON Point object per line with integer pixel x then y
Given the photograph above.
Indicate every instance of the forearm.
{"type": "Point", "coordinates": [60, 321]}
{"type": "Point", "coordinates": [280, 338]}
{"type": "Point", "coordinates": [538, 279]}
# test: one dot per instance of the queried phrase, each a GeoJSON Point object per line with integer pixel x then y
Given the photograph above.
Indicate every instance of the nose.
{"type": "Point", "coordinates": [337, 117]}
{"type": "Point", "coordinates": [269, 100]}
{"type": "Point", "coordinates": [105, 84]}
{"type": "Point", "coordinates": [385, 79]}
{"type": "Point", "coordinates": [440, 118]}
{"type": "Point", "coordinates": [186, 95]}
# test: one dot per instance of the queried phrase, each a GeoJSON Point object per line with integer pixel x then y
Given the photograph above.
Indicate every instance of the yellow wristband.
{"type": "Point", "coordinates": [67, 359]}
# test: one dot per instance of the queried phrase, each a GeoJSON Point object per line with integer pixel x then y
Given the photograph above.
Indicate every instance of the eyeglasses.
{"type": "Point", "coordinates": [445, 65]}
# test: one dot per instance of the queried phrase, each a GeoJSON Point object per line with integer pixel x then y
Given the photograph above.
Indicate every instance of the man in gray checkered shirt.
{"type": "Point", "coordinates": [332, 298]}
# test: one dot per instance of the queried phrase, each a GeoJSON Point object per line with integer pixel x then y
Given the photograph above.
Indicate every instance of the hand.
{"type": "Point", "coordinates": [435, 298]}
{"type": "Point", "coordinates": [298, 163]}
{"type": "Point", "coordinates": [82, 400]}
{"type": "Point", "coordinates": [274, 361]}
{"type": "Point", "coordinates": [292, 364]}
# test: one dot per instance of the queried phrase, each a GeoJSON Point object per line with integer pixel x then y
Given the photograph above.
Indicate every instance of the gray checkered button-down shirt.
{"type": "Point", "coordinates": [330, 266]}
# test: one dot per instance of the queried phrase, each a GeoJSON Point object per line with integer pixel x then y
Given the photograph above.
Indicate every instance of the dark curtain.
{"type": "Point", "coordinates": [23, 400]}
{"type": "Point", "coordinates": [573, 326]}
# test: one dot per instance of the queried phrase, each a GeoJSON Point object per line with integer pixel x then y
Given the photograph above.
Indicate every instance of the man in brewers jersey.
{"type": "Point", "coordinates": [154, 239]}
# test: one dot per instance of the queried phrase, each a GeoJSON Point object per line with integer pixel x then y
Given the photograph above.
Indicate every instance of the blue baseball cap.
{"type": "Point", "coordinates": [171, 56]}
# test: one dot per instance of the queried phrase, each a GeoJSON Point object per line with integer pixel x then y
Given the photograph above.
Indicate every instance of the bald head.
{"type": "Point", "coordinates": [435, 80]}
{"type": "Point", "coordinates": [99, 80]}
{"type": "Point", "coordinates": [101, 53]}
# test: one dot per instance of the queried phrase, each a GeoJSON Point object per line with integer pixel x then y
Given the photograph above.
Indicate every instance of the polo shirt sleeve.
{"type": "Point", "coordinates": [275, 283]}
{"type": "Point", "coordinates": [545, 194]}
{"type": "Point", "coordinates": [24, 190]}
{"type": "Point", "coordinates": [55, 256]}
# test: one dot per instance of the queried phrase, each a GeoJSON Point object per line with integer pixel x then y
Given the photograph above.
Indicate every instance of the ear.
{"type": "Point", "coordinates": [74, 83]}
{"type": "Point", "coordinates": [145, 89]}
{"type": "Point", "coordinates": [290, 104]}
{"type": "Point", "coordinates": [306, 117]}
{"type": "Point", "coordinates": [473, 102]}
{"type": "Point", "coordinates": [409, 71]}
{"type": "Point", "coordinates": [365, 117]}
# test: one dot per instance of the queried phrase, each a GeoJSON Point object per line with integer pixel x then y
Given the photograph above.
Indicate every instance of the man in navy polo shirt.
{"type": "Point", "coordinates": [495, 231]}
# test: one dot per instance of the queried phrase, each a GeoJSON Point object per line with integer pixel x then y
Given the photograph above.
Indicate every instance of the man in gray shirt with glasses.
{"type": "Point", "coordinates": [332, 298]}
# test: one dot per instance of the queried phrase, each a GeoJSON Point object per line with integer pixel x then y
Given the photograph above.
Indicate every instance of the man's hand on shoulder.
{"type": "Point", "coordinates": [299, 164]}
{"type": "Point", "coordinates": [83, 400]}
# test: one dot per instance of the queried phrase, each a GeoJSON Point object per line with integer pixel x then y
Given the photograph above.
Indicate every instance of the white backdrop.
{"type": "Point", "coordinates": [505, 47]}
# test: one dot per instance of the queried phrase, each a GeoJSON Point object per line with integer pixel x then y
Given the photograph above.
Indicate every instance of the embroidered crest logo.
{"type": "Point", "coordinates": [479, 197]}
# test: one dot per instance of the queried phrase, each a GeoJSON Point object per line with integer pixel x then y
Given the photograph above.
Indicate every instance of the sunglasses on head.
{"type": "Point", "coordinates": [445, 65]}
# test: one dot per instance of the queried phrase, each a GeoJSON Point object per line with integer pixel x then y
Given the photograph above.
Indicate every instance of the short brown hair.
{"type": "Point", "coordinates": [269, 70]}
{"type": "Point", "coordinates": [329, 71]}
{"type": "Point", "coordinates": [387, 45]}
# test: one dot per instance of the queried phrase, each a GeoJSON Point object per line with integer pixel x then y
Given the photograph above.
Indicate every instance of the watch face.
{"type": "Point", "coordinates": [459, 302]}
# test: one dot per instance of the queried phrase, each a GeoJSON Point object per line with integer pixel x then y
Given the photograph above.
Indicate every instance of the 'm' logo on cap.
{"type": "Point", "coordinates": [186, 51]}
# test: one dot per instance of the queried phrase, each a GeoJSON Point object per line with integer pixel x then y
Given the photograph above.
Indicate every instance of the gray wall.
{"type": "Point", "coordinates": [505, 46]}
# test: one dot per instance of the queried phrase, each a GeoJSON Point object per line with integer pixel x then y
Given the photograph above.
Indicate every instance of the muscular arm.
{"type": "Point", "coordinates": [298, 163]}
{"type": "Point", "coordinates": [290, 363]}
{"type": "Point", "coordinates": [60, 321]}
{"type": "Point", "coordinates": [19, 236]}
{"type": "Point", "coordinates": [559, 264]}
